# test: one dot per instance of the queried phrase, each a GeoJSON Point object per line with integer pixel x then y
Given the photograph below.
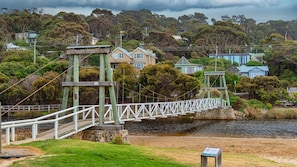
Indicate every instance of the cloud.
{"type": "Point", "coordinates": [260, 10]}
{"type": "Point", "coordinates": [153, 5]}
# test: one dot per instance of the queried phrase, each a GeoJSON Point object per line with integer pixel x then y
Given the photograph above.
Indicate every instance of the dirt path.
{"type": "Point", "coordinates": [16, 153]}
{"type": "Point", "coordinates": [278, 150]}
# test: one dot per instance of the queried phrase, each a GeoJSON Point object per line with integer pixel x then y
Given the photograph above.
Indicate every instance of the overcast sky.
{"type": "Point", "coordinates": [260, 10]}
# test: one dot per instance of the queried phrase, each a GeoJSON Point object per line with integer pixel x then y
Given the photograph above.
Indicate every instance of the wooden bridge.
{"type": "Point", "coordinates": [75, 119]}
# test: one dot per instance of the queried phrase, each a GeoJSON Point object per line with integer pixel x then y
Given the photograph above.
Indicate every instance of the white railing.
{"type": "Point", "coordinates": [75, 119]}
{"type": "Point", "coordinates": [12, 108]}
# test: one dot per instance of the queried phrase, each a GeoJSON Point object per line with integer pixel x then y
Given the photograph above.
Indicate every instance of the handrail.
{"type": "Point", "coordinates": [14, 108]}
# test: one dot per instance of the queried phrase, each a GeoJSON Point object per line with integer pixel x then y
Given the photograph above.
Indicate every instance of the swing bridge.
{"type": "Point", "coordinates": [70, 121]}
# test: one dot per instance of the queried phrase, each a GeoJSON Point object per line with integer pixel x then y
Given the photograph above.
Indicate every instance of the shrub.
{"type": "Point", "coordinates": [117, 140]}
{"type": "Point", "coordinates": [257, 104]}
{"type": "Point", "coordinates": [282, 113]}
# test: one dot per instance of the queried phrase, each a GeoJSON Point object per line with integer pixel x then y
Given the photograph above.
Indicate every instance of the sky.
{"type": "Point", "coordinates": [260, 10]}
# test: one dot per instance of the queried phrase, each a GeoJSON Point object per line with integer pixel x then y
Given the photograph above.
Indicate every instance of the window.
{"type": "Point", "coordinates": [139, 66]}
{"type": "Point", "coordinates": [115, 55]}
{"type": "Point", "coordinates": [189, 70]}
{"type": "Point", "coordinates": [118, 55]}
{"type": "Point", "coordinates": [138, 55]}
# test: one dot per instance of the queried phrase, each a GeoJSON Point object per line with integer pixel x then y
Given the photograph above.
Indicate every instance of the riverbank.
{"type": "Point", "coordinates": [278, 151]}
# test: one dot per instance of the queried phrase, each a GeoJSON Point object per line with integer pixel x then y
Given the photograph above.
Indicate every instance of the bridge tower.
{"type": "Point", "coordinates": [75, 53]}
{"type": "Point", "coordinates": [215, 80]}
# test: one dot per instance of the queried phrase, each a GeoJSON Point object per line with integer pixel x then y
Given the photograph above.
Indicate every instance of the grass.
{"type": "Point", "coordinates": [79, 153]}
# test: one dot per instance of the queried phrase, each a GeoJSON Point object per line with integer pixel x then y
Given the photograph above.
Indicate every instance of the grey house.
{"type": "Point", "coordinates": [186, 67]}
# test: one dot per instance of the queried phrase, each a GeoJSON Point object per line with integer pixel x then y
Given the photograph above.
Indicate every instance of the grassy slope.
{"type": "Point", "coordinates": [79, 153]}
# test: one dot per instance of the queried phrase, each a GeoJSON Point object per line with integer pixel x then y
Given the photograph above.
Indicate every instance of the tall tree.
{"type": "Point", "coordinates": [226, 35]}
{"type": "Point", "coordinates": [100, 22]}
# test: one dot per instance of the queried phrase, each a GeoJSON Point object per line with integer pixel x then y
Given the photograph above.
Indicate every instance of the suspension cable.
{"type": "Point", "coordinates": [21, 80]}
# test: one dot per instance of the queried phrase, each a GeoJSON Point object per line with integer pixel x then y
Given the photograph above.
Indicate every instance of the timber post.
{"type": "Point", "coordinates": [74, 53]}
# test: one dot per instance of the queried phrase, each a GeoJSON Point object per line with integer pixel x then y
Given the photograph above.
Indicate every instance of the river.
{"type": "Point", "coordinates": [235, 128]}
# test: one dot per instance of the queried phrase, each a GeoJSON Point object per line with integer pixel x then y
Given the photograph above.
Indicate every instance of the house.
{"type": "Point", "coordinates": [143, 58]}
{"type": "Point", "coordinates": [186, 67]}
{"type": "Point", "coordinates": [139, 57]}
{"type": "Point", "coordinates": [240, 58]}
{"type": "Point", "coordinates": [253, 71]}
{"type": "Point", "coordinates": [120, 55]}
{"type": "Point", "coordinates": [26, 36]}
{"type": "Point", "coordinates": [94, 40]}
{"type": "Point", "coordinates": [21, 36]}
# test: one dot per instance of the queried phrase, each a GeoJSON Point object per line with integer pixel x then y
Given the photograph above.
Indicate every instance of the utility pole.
{"type": "Point", "coordinates": [121, 38]}
{"type": "Point", "coordinates": [34, 52]}
{"type": "Point", "coordinates": [216, 58]}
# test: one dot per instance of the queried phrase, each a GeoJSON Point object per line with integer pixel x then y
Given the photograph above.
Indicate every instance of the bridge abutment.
{"type": "Point", "coordinates": [220, 113]}
{"type": "Point", "coordinates": [105, 133]}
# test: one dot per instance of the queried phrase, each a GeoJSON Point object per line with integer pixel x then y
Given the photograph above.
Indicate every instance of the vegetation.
{"type": "Point", "coordinates": [19, 77]}
{"type": "Point", "coordinates": [84, 153]}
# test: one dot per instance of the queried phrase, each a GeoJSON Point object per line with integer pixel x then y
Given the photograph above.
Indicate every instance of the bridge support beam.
{"type": "Point", "coordinates": [74, 53]}
{"type": "Point", "coordinates": [215, 80]}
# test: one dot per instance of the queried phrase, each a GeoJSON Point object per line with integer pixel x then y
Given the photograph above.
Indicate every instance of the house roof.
{"type": "Point", "coordinates": [245, 68]}
{"type": "Point", "coordinates": [146, 52]}
{"type": "Point", "coordinates": [123, 51]}
{"type": "Point", "coordinates": [183, 60]}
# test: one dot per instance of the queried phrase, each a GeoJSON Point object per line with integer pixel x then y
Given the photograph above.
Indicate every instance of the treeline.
{"type": "Point", "coordinates": [231, 34]}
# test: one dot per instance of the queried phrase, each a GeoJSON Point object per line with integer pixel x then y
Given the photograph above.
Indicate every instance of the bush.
{"type": "Point", "coordinates": [238, 103]}
{"type": "Point", "coordinates": [257, 104]}
{"type": "Point", "coordinates": [117, 140]}
{"type": "Point", "coordinates": [282, 113]}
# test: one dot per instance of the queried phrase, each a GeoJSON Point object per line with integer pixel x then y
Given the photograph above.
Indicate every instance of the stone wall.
{"type": "Point", "coordinates": [221, 113]}
{"type": "Point", "coordinates": [105, 133]}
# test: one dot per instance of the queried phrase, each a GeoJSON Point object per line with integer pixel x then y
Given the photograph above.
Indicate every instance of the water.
{"type": "Point", "coordinates": [235, 128]}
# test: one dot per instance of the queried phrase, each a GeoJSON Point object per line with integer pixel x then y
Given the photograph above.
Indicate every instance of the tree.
{"type": "Point", "coordinates": [191, 22]}
{"type": "Point", "coordinates": [22, 21]}
{"type": "Point", "coordinates": [100, 22]}
{"type": "Point", "coordinates": [280, 56]}
{"type": "Point", "coordinates": [226, 35]}
{"type": "Point", "coordinates": [89, 95]}
{"type": "Point", "coordinates": [65, 29]}
{"type": "Point", "coordinates": [125, 75]}
{"type": "Point", "coordinates": [162, 81]}
{"type": "Point", "coordinates": [49, 88]}
{"type": "Point", "coordinates": [264, 88]}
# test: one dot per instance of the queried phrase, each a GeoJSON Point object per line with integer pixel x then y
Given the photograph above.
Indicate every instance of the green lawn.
{"type": "Point", "coordinates": [79, 153]}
